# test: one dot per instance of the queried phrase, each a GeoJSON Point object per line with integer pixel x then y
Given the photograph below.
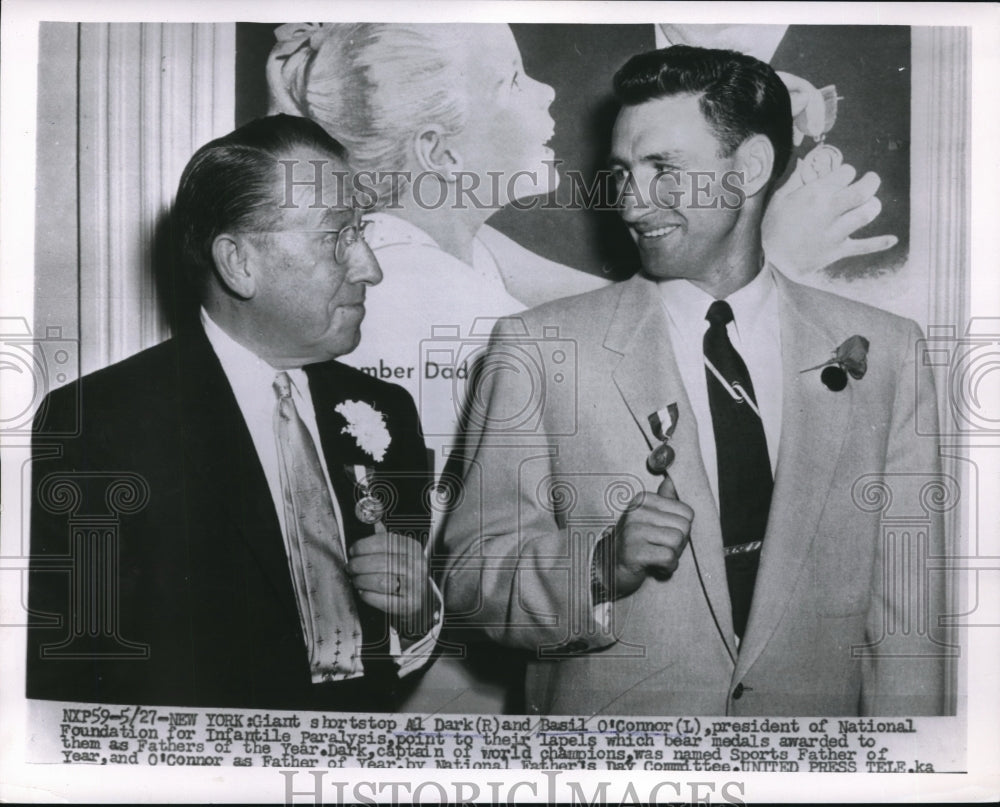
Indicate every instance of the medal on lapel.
{"type": "Point", "coordinates": [662, 422]}
{"type": "Point", "coordinates": [369, 508]}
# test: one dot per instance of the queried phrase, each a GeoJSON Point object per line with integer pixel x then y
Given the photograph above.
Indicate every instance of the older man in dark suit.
{"type": "Point", "coordinates": [268, 503]}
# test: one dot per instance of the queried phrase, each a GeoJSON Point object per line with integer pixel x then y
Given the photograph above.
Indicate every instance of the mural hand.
{"type": "Point", "coordinates": [811, 218]}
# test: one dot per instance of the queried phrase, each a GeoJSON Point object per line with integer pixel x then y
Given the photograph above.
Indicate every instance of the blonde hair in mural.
{"type": "Point", "coordinates": [372, 86]}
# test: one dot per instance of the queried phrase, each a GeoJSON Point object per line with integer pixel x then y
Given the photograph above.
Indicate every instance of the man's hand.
{"type": "Point", "coordinates": [390, 573]}
{"type": "Point", "coordinates": [810, 218]}
{"type": "Point", "coordinates": [648, 540]}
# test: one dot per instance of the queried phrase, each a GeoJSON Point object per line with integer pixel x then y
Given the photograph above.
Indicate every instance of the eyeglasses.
{"type": "Point", "coordinates": [347, 236]}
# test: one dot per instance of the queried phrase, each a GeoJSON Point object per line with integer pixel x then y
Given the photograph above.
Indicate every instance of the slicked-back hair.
{"type": "Point", "coordinates": [740, 96]}
{"type": "Point", "coordinates": [229, 185]}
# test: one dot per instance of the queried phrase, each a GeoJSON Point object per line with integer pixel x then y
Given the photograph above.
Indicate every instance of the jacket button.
{"type": "Point", "coordinates": [738, 692]}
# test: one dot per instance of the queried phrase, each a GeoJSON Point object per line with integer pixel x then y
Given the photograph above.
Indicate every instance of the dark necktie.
{"type": "Point", "coordinates": [744, 467]}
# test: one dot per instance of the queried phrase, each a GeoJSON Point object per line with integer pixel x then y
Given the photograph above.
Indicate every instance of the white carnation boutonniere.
{"type": "Point", "coordinates": [367, 426]}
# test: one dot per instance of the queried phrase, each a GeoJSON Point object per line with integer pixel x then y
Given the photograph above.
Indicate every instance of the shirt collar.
{"type": "Point", "coordinates": [751, 304]}
{"type": "Point", "coordinates": [686, 304]}
{"type": "Point", "coordinates": [248, 374]}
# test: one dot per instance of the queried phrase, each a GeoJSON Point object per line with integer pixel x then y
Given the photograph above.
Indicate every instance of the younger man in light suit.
{"type": "Point", "coordinates": [247, 565]}
{"type": "Point", "coordinates": [755, 580]}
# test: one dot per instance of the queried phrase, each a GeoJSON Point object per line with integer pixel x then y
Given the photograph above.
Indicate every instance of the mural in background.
{"type": "Point", "coordinates": [497, 106]}
{"type": "Point", "coordinates": [868, 65]}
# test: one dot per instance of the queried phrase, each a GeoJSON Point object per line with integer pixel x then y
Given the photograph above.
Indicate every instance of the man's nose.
{"type": "Point", "coordinates": [632, 201]}
{"type": "Point", "coordinates": [364, 266]}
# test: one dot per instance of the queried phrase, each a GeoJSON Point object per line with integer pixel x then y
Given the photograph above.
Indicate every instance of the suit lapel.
{"type": "Point", "coordinates": [638, 332]}
{"type": "Point", "coordinates": [223, 462]}
{"type": "Point", "coordinates": [643, 390]}
{"type": "Point", "coordinates": [813, 425]}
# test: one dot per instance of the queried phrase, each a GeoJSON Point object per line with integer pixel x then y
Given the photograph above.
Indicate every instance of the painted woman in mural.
{"type": "Point", "coordinates": [447, 107]}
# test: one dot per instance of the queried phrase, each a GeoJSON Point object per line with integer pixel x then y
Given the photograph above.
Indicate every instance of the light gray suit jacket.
{"type": "Point", "coordinates": [844, 609]}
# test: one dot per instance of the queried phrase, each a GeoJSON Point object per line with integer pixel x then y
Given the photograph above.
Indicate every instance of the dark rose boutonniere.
{"type": "Point", "coordinates": [851, 357]}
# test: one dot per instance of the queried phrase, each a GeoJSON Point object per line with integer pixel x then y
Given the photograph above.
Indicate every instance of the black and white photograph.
{"type": "Point", "coordinates": [537, 401]}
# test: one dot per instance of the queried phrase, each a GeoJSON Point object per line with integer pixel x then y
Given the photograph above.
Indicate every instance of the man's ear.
{"type": "Point", "coordinates": [233, 264]}
{"type": "Point", "coordinates": [754, 161]}
{"type": "Point", "coordinates": [435, 154]}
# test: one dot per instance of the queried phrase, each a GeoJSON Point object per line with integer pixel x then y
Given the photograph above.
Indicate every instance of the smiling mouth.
{"type": "Point", "coordinates": [659, 232]}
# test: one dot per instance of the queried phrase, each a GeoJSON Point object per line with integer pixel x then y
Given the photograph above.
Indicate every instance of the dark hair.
{"type": "Point", "coordinates": [229, 185]}
{"type": "Point", "coordinates": [740, 95]}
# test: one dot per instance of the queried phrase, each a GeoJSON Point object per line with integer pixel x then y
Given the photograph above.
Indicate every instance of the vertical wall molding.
{"type": "Point", "coordinates": [939, 234]}
{"type": "Point", "coordinates": [150, 95]}
{"type": "Point", "coordinates": [939, 170]}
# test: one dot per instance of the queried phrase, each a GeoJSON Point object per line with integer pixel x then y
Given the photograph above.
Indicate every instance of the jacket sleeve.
{"type": "Point", "coordinates": [514, 570]}
{"type": "Point", "coordinates": [905, 662]}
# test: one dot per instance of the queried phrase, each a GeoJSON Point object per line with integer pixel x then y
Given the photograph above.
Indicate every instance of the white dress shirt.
{"type": "Point", "coordinates": [251, 379]}
{"type": "Point", "coordinates": [754, 332]}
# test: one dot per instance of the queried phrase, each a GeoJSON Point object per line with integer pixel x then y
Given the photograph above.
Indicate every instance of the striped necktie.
{"type": "Point", "coordinates": [745, 480]}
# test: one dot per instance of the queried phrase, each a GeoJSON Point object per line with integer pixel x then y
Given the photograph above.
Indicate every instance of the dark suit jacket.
{"type": "Point", "coordinates": [158, 571]}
